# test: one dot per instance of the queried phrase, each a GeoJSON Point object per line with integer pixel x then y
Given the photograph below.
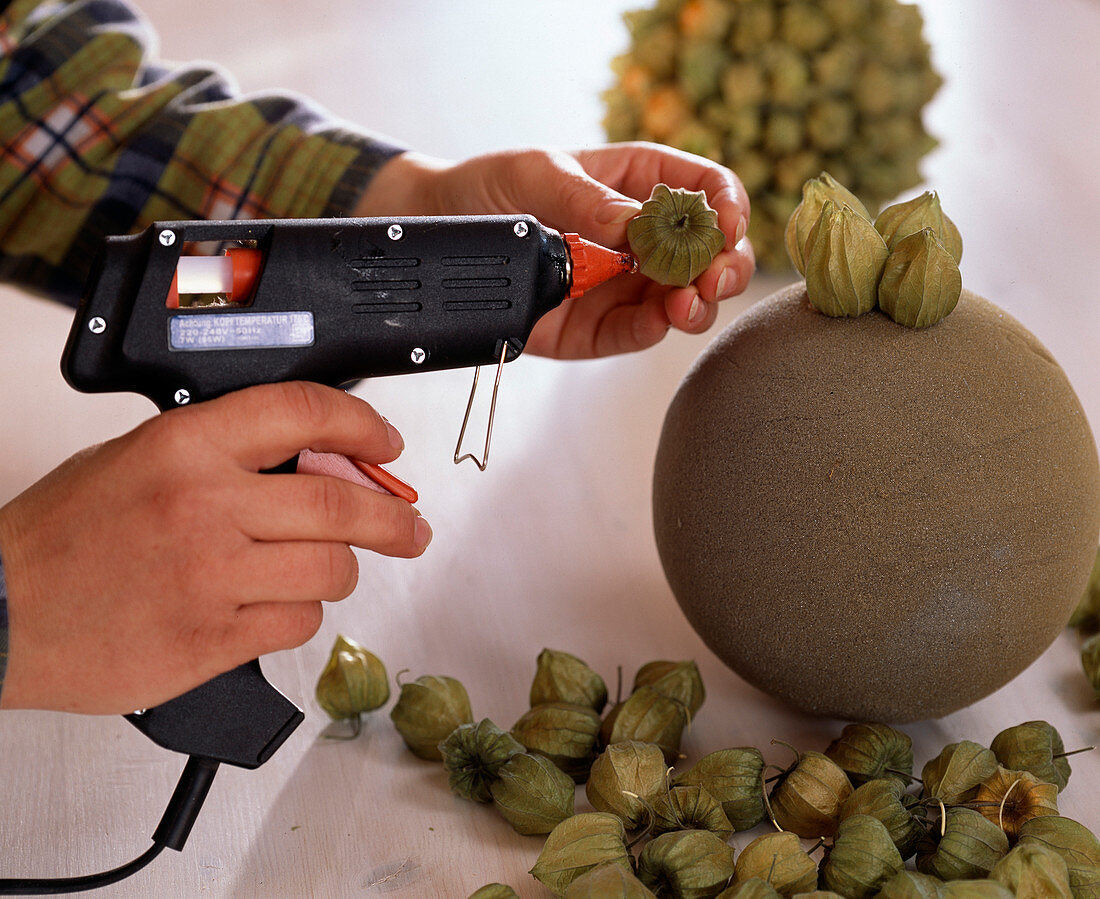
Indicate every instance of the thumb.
{"type": "Point", "coordinates": [563, 196]}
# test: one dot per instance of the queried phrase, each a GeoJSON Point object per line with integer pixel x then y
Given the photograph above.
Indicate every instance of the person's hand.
{"type": "Point", "coordinates": [143, 567]}
{"type": "Point", "coordinates": [594, 193]}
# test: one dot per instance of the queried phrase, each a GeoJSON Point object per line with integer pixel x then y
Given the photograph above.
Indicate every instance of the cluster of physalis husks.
{"type": "Point", "coordinates": [905, 262]}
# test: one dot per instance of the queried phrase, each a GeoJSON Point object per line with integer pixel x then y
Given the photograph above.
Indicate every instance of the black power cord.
{"type": "Point", "coordinates": [171, 833]}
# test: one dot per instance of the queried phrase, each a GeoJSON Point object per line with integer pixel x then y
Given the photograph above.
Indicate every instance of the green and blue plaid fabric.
{"type": "Point", "coordinates": [96, 138]}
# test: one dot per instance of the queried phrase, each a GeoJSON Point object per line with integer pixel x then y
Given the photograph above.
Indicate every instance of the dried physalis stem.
{"type": "Point", "coordinates": [1001, 807]}
{"type": "Point", "coordinates": [764, 795]}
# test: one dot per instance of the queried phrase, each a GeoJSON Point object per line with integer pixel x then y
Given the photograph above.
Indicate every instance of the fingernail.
{"type": "Point", "coordinates": [696, 311]}
{"type": "Point", "coordinates": [396, 440]}
{"type": "Point", "coordinates": [742, 227]}
{"type": "Point", "coordinates": [727, 284]}
{"type": "Point", "coordinates": [616, 213]}
{"type": "Point", "coordinates": [422, 535]}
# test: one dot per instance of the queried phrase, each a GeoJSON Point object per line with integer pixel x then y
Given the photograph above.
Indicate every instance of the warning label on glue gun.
{"type": "Point", "coordinates": [240, 330]}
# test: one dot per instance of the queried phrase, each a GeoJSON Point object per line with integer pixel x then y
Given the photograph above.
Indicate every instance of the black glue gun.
{"type": "Point", "coordinates": [187, 311]}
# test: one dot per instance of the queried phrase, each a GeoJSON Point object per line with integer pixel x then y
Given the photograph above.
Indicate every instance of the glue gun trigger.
{"type": "Point", "coordinates": [365, 474]}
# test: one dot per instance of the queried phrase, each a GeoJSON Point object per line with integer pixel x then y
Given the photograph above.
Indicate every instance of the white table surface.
{"type": "Point", "coordinates": [552, 546]}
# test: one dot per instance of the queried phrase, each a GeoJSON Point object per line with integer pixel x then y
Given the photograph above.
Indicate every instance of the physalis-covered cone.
{"type": "Point", "coordinates": [897, 222]}
{"type": "Point", "coordinates": [1033, 871]}
{"type": "Point", "coordinates": [428, 710]}
{"type": "Point", "coordinates": [870, 751]}
{"type": "Point", "coordinates": [1010, 798]}
{"type": "Point", "coordinates": [862, 859]}
{"type": "Point", "coordinates": [807, 801]}
{"type": "Point", "coordinates": [733, 777]}
{"type": "Point", "coordinates": [608, 881]}
{"type": "Point", "coordinates": [532, 793]}
{"type": "Point", "coordinates": [921, 282]}
{"type": "Point", "coordinates": [884, 798]}
{"type": "Point", "coordinates": [675, 236]}
{"type": "Point", "coordinates": [564, 733]}
{"type": "Point", "coordinates": [562, 677]}
{"type": "Point", "coordinates": [353, 681]}
{"type": "Point", "coordinates": [779, 90]}
{"type": "Point", "coordinates": [686, 863]}
{"type": "Point", "coordinates": [815, 192]}
{"type": "Point", "coordinates": [689, 808]}
{"type": "Point", "coordinates": [473, 755]}
{"type": "Point", "coordinates": [1034, 746]}
{"type": "Point", "coordinates": [844, 257]}
{"type": "Point", "coordinates": [624, 778]}
{"type": "Point", "coordinates": [579, 844]}
{"type": "Point", "coordinates": [969, 848]}
{"type": "Point", "coordinates": [954, 775]}
{"type": "Point", "coordinates": [779, 859]}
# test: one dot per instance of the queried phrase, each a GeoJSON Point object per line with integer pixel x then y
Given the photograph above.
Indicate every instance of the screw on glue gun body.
{"type": "Point", "coordinates": [325, 300]}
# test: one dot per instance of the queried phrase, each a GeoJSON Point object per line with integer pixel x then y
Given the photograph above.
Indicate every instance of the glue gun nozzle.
{"type": "Point", "coordinates": [593, 264]}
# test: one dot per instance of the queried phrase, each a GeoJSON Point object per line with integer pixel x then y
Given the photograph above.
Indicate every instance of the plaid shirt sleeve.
{"type": "Point", "coordinates": [96, 138]}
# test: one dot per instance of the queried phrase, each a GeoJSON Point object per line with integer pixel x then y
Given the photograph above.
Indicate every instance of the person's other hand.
{"type": "Point", "coordinates": [594, 193]}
